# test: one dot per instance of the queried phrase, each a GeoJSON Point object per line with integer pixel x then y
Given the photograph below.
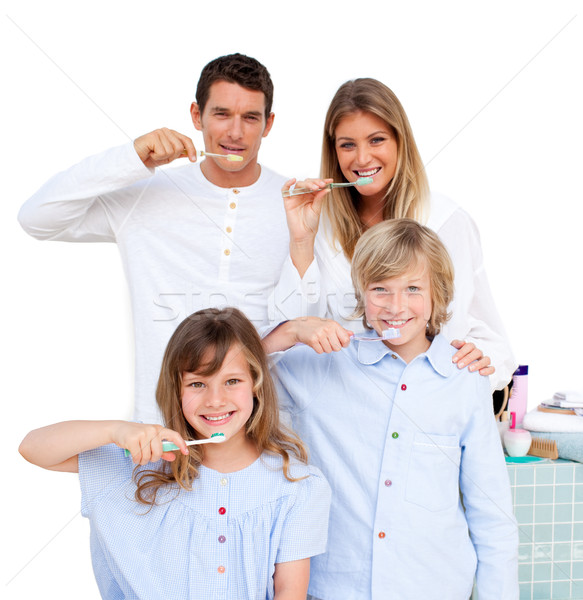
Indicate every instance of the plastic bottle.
{"type": "Point", "coordinates": [518, 400]}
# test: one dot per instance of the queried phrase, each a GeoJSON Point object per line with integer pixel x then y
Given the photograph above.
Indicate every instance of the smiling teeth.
{"type": "Point", "coordinates": [368, 173]}
{"type": "Point", "coordinates": [396, 323]}
{"type": "Point", "coordinates": [218, 418]}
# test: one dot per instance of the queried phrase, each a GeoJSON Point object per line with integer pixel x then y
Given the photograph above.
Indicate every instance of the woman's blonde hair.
{"type": "Point", "coordinates": [390, 249]}
{"type": "Point", "coordinates": [408, 191]}
{"type": "Point", "coordinates": [200, 344]}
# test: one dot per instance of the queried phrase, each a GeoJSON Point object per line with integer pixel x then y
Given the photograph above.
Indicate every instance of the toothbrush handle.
{"type": "Point", "coordinates": [166, 446]}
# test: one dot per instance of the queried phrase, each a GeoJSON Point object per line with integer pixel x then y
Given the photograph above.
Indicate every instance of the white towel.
{"type": "Point", "coordinates": [569, 398]}
{"type": "Point", "coordinates": [536, 420]}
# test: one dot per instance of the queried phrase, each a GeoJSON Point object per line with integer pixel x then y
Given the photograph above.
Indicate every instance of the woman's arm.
{"type": "Point", "coordinates": [56, 447]}
{"type": "Point", "coordinates": [290, 580]}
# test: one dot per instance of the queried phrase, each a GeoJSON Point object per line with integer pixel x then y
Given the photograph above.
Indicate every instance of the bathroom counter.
{"type": "Point", "coordinates": [548, 505]}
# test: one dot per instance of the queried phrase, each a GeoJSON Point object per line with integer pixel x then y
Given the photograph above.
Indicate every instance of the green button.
{"type": "Point", "coordinates": [395, 435]}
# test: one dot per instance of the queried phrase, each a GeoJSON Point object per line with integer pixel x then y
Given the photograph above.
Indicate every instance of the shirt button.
{"type": "Point", "coordinates": [236, 191]}
{"type": "Point", "coordinates": [382, 535]}
{"type": "Point", "coordinates": [233, 205]}
{"type": "Point", "coordinates": [403, 387]}
{"type": "Point", "coordinates": [227, 252]}
{"type": "Point", "coordinates": [388, 482]}
{"type": "Point", "coordinates": [223, 481]}
{"type": "Point", "coordinates": [229, 229]}
{"type": "Point", "coordinates": [222, 539]}
{"type": "Point", "coordinates": [393, 356]}
{"type": "Point", "coordinates": [395, 435]}
{"type": "Point", "coordinates": [221, 569]}
{"type": "Point", "coordinates": [222, 510]}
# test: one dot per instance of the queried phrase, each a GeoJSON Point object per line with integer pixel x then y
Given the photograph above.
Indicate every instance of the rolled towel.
{"type": "Point", "coordinates": [536, 420]}
{"type": "Point", "coordinates": [569, 445]}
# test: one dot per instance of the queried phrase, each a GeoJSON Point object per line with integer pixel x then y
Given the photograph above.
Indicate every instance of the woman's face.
{"type": "Point", "coordinates": [366, 147]}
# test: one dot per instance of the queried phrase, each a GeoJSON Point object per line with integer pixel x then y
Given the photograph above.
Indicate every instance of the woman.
{"type": "Point", "coordinates": [367, 135]}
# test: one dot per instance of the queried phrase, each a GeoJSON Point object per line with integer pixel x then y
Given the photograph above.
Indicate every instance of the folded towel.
{"type": "Point", "coordinates": [536, 420]}
{"type": "Point", "coordinates": [569, 445]}
{"type": "Point", "coordinates": [569, 398]}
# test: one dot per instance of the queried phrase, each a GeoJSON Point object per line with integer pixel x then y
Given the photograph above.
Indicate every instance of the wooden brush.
{"type": "Point", "coordinates": [544, 448]}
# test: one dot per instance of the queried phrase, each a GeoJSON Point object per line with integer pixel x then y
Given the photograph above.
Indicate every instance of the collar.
{"type": "Point", "coordinates": [438, 355]}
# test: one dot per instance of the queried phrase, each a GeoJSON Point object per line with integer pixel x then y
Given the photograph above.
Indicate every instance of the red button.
{"type": "Point", "coordinates": [222, 539]}
{"type": "Point", "coordinates": [222, 510]}
{"type": "Point", "coordinates": [382, 535]}
{"type": "Point", "coordinates": [403, 387]}
{"type": "Point", "coordinates": [221, 569]}
{"type": "Point", "coordinates": [388, 482]}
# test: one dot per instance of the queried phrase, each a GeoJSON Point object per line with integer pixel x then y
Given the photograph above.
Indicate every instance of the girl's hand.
{"type": "Point", "coordinates": [470, 356]}
{"type": "Point", "coordinates": [144, 442]}
{"type": "Point", "coordinates": [323, 335]}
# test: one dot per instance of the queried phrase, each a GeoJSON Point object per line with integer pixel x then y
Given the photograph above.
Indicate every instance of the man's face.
{"type": "Point", "coordinates": [233, 122]}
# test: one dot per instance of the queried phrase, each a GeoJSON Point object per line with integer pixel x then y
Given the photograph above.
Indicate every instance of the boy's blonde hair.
{"type": "Point", "coordinates": [390, 249]}
{"type": "Point", "coordinates": [200, 344]}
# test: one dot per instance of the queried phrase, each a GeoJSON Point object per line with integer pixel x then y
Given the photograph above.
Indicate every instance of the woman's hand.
{"type": "Point", "coordinates": [303, 217]}
{"type": "Point", "coordinates": [470, 356]}
{"type": "Point", "coordinates": [144, 442]}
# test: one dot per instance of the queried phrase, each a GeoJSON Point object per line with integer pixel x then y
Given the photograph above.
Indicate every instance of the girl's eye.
{"type": "Point", "coordinates": [196, 384]}
{"type": "Point", "coordinates": [413, 289]}
{"type": "Point", "coordinates": [232, 381]}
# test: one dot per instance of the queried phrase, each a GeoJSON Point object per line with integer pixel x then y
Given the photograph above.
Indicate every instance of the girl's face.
{"type": "Point", "coordinates": [402, 303]}
{"type": "Point", "coordinates": [222, 402]}
{"type": "Point", "coordinates": [366, 147]}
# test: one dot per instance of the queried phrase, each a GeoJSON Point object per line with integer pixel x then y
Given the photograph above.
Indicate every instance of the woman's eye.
{"type": "Point", "coordinates": [346, 146]}
{"type": "Point", "coordinates": [377, 140]}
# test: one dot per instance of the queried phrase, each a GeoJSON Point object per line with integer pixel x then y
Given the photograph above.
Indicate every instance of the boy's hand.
{"type": "Point", "coordinates": [323, 335]}
{"type": "Point", "coordinates": [162, 146]}
{"type": "Point", "coordinates": [144, 442]}
{"type": "Point", "coordinates": [470, 356]}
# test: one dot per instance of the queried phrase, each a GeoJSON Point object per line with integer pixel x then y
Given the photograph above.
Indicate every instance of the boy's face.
{"type": "Point", "coordinates": [233, 122]}
{"type": "Point", "coordinates": [402, 303]}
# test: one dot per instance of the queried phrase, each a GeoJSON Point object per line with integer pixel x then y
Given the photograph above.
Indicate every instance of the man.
{"type": "Point", "coordinates": [202, 234]}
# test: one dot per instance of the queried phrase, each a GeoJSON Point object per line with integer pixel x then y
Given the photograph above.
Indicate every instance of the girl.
{"type": "Point", "coordinates": [237, 519]}
{"type": "Point", "coordinates": [367, 134]}
{"type": "Point", "coordinates": [400, 433]}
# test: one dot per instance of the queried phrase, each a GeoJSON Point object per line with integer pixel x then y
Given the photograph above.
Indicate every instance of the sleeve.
{"type": "Point", "coordinates": [305, 531]}
{"type": "Point", "coordinates": [474, 314]}
{"type": "Point", "coordinates": [295, 297]}
{"type": "Point", "coordinates": [78, 205]}
{"type": "Point", "coordinates": [485, 488]}
{"type": "Point", "coordinates": [299, 375]}
{"type": "Point", "coordinates": [101, 470]}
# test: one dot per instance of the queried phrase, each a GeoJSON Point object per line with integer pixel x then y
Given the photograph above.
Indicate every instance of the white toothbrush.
{"type": "Point", "coordinates": [216, 438]}
{"type": "Point", "coordinates": [388, 334]}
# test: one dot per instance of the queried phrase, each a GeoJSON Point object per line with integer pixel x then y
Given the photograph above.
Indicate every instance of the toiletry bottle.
{"type": "Point", "coordinates": [519, 393]}
{"type": "Point", "coordinates": [516, 441]}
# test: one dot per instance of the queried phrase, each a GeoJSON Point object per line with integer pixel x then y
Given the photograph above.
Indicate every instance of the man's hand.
{"type": "Point", "coordinates": [162, 146]}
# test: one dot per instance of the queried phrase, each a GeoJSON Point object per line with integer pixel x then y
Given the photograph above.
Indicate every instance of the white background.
{"type": "Point", "coordinates": [494, 95]}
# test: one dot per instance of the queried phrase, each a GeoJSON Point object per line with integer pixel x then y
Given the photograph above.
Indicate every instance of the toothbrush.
{"type": "Point", "coordinates": [230, 157]}
{"type": "Point", "coordinates": [388, 334]}
{"type": "Point", "coordinates": [329, 186]}
{"type": "Point", "coordinates": [216, 438]}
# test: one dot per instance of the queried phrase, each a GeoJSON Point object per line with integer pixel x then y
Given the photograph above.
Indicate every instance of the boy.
{"type": "Point", "coordinates": [399, 432]}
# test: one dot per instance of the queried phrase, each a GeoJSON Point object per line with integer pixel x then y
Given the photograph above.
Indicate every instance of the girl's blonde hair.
{"type": "Point", "coordinates": [390, 249]}
{"type": "Point", "coordinates": [212, 333]}
{"type": "Point", "coordinates": [408, 191]}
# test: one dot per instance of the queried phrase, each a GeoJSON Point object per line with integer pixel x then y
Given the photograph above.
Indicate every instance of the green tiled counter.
{"type": "Point", "coordinates": [548, 504]}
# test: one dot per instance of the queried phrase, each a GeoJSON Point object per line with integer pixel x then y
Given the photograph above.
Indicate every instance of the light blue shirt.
{"type": "Point", "coordinates": [397, 443]}
{"type": "Point", "coordinates": [221, 540]}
